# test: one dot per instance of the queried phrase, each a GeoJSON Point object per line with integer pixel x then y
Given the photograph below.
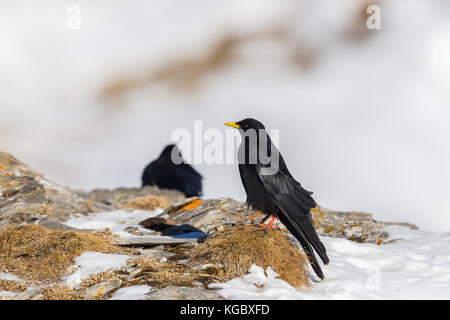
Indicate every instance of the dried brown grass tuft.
{"type": "Point", "coordinates": [12, 286]}
{"type": "Point", "coordinates": [230, 254]}
{"type": "Point", "coordinates": [100, 277]}
{"type": "Point", "coordinates": [150, 202]}
{"type": "Point", "coordinates": [237, 248]}
{"type": "Point", "coordinates": [39, 254]}
{"type": "Point", "coordinates": [159, 275]}
{"type": "Point", "coordinates": [60, 293]}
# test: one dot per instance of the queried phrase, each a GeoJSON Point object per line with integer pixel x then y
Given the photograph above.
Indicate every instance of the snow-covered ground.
{"type": "Point", "coordinates": [416, 267]}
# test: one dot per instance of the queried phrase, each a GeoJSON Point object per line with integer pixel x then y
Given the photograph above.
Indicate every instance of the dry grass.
{"type": "Point", "coordinates": [39, 254]}
{"type": "Point", "coordinates": [12, 285]}
{"type": "Point", "coordinates": [93, 279]}
{"type": "Point", "coordinates": [150, 202]}
{"type": "Point", "coordinates": [230, 254]}
{"type": "Point", "coordinates": [159, 275]}
{"type": "Point", "coordinates": [237, 248]}
{"type": "Point", "coordinates": [60, 293]}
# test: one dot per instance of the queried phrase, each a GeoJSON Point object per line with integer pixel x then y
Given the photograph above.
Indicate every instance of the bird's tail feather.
{"type": "Point", "coordinates": [307, 249]}
{"type": "Point", "coordinates": [312, 258]}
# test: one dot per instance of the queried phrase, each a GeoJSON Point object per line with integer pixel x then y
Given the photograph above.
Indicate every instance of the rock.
{"type": "Point", "coordinates": [121, 197]}
{"type": "Point", "coordinates": [163, 260]}
{"type": "Point", "coordinates": [54, 224]}
{"type": "Point", "coordinates": [182, 293]}
{"type": "Point", "coordinates": [156, 224]}
{"type": "Point", "coordinates": [25, 193]}
{"type": "Point", "coordinates": [157, 252]}
{"type": "Point", "coordinates": [355, 226]}
{"type": "Point", "coordinates": [212, 215]}
{"type": "Point", "coordinates": [102, 288]}
{"type": "Point", "coordinates": [152, 241]}
{"type": "Point", "coordinates": [134, 231]}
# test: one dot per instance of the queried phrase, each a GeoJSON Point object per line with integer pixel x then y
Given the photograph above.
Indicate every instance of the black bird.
{"type": "Point", "coordinates": [165, 173]}
{"type": "Point", "coordinates": [272, 189]}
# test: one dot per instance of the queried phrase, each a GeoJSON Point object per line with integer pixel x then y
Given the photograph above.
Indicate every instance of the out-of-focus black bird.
{"type": "Point", "coordinates": [170, 171]}
{"type": "Point", "coordinates": [272, 189]}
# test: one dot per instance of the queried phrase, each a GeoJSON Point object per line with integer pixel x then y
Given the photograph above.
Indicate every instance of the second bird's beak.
{"type": "Point", "coordinates": [232, 124]}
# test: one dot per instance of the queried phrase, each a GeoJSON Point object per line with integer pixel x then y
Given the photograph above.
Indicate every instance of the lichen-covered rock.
{"type": "Point", "coordinates": [208, 215]}
{"type": "Point", "coordinates": [355, 226]}
{"type": "Point", "coordinates": [25, 193]}
{"type": "Point", "coordinates": [213, 214]}
{"type": "Point", "coordinates": [102, 288]}
{"type": "Point", "coordinates": [121, 197]}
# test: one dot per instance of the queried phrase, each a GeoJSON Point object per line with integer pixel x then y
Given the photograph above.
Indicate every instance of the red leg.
{"type": "Point", "coordinates": [265, 218]}
{"type": "Point", "coordinates": [270, 224]}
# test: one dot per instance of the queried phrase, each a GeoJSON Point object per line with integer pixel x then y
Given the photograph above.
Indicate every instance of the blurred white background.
{"type": "Point", "coordinates": [363, 114]}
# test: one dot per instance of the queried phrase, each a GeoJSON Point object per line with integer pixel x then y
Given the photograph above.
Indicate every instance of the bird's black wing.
{"type": "Point", "coordinates": [148, 175]}
{"type": "Point", "coordinates": [295, 204]}
{"type": "Point", "coordinates": [245, 178]}
{"type": "Point", "coordinates": [191, 179]}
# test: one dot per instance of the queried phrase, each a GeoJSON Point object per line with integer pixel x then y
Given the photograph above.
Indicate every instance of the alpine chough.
{"type": "Point", "coordinates": [170, 171]}
{"type": "Point", "coordinates": [272, 189]}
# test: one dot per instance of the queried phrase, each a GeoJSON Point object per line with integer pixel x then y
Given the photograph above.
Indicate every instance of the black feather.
{"type": "Point", "coordinates": [164, 173]}
{"type": "Point", "coordinates": [278, 192]}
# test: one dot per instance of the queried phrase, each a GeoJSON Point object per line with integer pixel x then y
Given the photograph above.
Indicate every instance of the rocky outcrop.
{"type": "Point", "coordinates": [208, 215]}
{"type": "Point", "coordinates": [29, 196]}
{"type": "Point", "coordinates": [121, 197]}
{"type": "Point", "coordinates": [354, 226]}
{"type": "Point", "coordinates": [213, 214]}
{"type": "Point", "coordinates": [25, 193]}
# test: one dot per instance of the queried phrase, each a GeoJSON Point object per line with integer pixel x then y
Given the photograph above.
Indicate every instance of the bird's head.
{"type": "Point", "coordinates": [247, 124]}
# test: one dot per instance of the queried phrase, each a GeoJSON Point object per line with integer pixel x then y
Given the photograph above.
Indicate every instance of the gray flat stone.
{"type": "Point", "coordinates": [152, 241]}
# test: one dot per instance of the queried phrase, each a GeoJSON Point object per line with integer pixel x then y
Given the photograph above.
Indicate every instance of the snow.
{"type": "Point", "coordinates": [116, 221]}
{"type": "Point", "coordinates": [131, 293]}
{"type": "Point", "coordinates": [415, 267]}
{"type": "Point", "coordinates": [9, 276]}
{"type": "Point", "coordinates": [89, 263]}
{"type": "Point", "coordinates": [7, 293]}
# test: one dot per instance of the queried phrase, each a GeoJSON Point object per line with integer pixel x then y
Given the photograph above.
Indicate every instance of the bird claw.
{"type": "Point", "coordinates": [265, 227]}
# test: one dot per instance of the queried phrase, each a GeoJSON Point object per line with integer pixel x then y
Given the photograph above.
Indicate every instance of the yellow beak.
{"type": "Point", "coordinates": [232, 124]}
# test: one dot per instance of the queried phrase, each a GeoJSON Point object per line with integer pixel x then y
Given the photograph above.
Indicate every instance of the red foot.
{"type": "Point", "coordinates": [269, 225]}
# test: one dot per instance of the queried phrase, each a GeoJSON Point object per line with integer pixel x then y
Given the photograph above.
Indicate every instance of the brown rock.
{"type": "Point", "coordinates": [133, 197]}
{"type": "Point", "coordinates": [25, 193]}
